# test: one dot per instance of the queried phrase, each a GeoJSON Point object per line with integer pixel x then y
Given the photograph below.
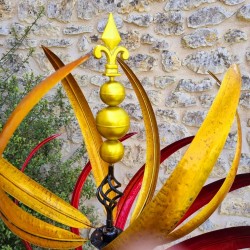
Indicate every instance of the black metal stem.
{"type": "Point", "coordinates": [105, 234]}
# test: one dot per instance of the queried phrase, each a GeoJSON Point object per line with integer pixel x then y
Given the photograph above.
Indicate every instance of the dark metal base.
{"type": "Point", "coordinates": [102, 236]}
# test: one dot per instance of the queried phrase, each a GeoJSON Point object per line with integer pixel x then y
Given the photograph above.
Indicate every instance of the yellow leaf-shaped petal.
{"type": "Point", "coordinates": [34, 230]}
{"type": "Point", "coordinates": [35, 196]}
{"type": "Point", "coordinates": [32, 98]}
{"type": "Point", "coordinates": [85, 118]}
{"type": "Point", "coordinates": [152, 140]}
{"type": "Point", "coordinates": [206, 212]}
{"type": "Point", "coordinates": [162, 214]}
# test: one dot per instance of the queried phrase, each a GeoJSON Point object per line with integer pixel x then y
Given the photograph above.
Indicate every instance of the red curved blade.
{"type": "Point", "coordinates": [227, 239]}
{"type": "Point", "coordinates": [208, 192]}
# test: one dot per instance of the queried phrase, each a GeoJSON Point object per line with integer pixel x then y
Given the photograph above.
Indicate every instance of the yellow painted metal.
{"type": "Point", "coordinates": [152, 141]}
{"type": "Point", "coordinates": [112, 93]}
{"type": "Point", "coordinates": [163, 213]}
{"type": "Point", "coordinates": [34, 230]}
{"type": "Point", "coordinates": [35, 196]}
{"type": "Point", "coordinates": [112, 151]}
{"type": "Point", "coordinates": [207, 211]}
{"type": "Point", "coordinates": [112, 122]}
{"type": "Point", "coordinates": [92, 138]}
{"type": "Point", "coordinates": [30, 100]}
{"type": "Point", "coordinates": [111, 38]}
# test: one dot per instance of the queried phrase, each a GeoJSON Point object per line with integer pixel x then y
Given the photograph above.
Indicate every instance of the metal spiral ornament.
{"type": "Point", "coordinates": [112, 123]}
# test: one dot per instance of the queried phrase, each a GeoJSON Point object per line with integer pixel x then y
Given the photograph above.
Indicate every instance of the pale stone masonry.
{"type": "Point", "coordinates": [172, 44]}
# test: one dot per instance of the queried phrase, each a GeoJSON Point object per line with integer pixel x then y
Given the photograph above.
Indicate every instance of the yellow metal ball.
{"type": "Point", "coordinates": [112, 122]}
{"type": "Point", "coordinates": [111, 151]}
{"type": "Point", "coordinates": [112, 93]}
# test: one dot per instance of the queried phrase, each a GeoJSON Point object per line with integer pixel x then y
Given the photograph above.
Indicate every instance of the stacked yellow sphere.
{"type": "Point", "coordinates": [112, 122]}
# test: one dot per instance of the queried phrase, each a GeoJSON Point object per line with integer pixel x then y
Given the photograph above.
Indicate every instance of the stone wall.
{"type": "Point", "coordinates": [173, 44]}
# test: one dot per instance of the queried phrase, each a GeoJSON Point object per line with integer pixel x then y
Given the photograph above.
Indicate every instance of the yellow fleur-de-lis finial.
{"type": "Point", "coordinates": [112, 122]}
{"type": "Point", "coordinates": [111, 39]}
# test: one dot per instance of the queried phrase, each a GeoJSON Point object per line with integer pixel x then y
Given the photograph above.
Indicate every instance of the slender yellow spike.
{"type": "Point", "coordinates": [152, 140]}
{"type": "Point", "coordinates": [34, 230]}
{"type": "Point", "coordinates": [163, 213]}
{"type": "Point", "coordinates": [29, 192]}
{"type": "Point", "coordinates": [207, 211]}
{"type": "Point", "coordinates": [30, 100]}
{"type": "Point", "coordinates": [92, 138]}
{"type": "Point", "coordinates": [111, 36]}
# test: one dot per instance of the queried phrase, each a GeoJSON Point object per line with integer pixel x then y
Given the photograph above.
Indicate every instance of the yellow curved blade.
{"type": "Point", "coordinates": [32, 98]}
{"type": "Point", "coordinates": [206, 212]}
{"type": "Point", "coordinates": [35, 196]}
{"type": "Point", "coordinates": [162, 214]}
{"type": "Point", "coordinates": [34, 230]}
{"type": "Point", "coordinates": [85, 119]}
{"type": "Point", "coordinates": [152, 141]}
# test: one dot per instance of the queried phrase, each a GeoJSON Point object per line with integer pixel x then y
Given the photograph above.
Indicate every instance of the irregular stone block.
{"type": "Point", "coordinates": [142, 62]}
{"type": "Point", "coordinates": [167, 114]}
{"type": "Point", "coordinates": [244, 165]}
{"type": "Point", "coordinates": [160, 45]}
{"type": "Point", "coordinates": [83, 44]}
{"type": "Point", "coordinates": [82, 80]}
{"type": "Point", "coordinates": [232, 2]}
{"type": "Point", "coordinates": [26, 43]}
{"type": "Point", "coordinates": [42, 61]}
{"type": "Point", "coordinates": [200, 38]}
{"type": "Point", "coordinates": [194, 118]}
{"type": "Point", "coordinates": [133, 156]}
{"type": "Point", "coordinates": [127, 6]}
{"type": "Point", "coordinates": [139, 129]}
{"type": "Point", "coordinates": [4, 31]}
{"type": "Point", "coordinates": [180, 100]}
{"type": "Point", "coordinates": [77, 29]}
{"type": "Point", "coordinates": [220, 169]}
{"type": "Point", "coordinates": [94, 96]}
{"type": "Point", "coordinates": [48, 29]}
{"type": "Point", "coordinates": [244, 13]}
{"type": "Point", "coordinates": [248, 54]}
{"type": "Point", "coordinates": [131, 39]}
{"type": "Point", "coordinates": [170, 61]}
{"type": "Point", "coordinates": [162, 82]}
{"type": "Point", "coordinates": [133, 110]}
{"type": "Point", "coordinates": [95, 64]}
{"type": "Point", "coordinates": [231, 140]}
{"type": "Point", "coordinates": [147, 39]}
{"type": "Point", "coordinates": [217, 61]}
{"type": "Point", "coordinates": [185, 4]}
{"type": "Point", "coordinates": [56, 43]}
{"type": "Point", "coordinates": [102, 23]}
{"type": "Point", "coordinates": [86, 9]}
{"type": "Point", "coordinates": [245, 82]}
{"type": "Point", "coordinates": [98, 80]}
{"type": "Point", "coordinates": [248, 138]}
{"type": "Point", "coordinates": [60, 10]}
{"type": "Point", "coordinates": [208, 226]}
{"type": "Point", "coordinates": [154, 97]}
{"type": "Point", "coordinates": [191, 86]}
{"type": "Point", "coordinates": [235, 36]}
{"type": "Point", "coordinates": [235, 206]}
{"type": "Point", "coordinates": [6, 9]}
{"type": "Point", "coordinates": [170, 23]}
{"type": "Point", "coordinates": [142, 20]}
{"type": "Point", "coordinates": [146, 82]}
{"type": "Point", "coordinates": [245, 100]}
{"type": "Point", "coordinates": [18, 29]}
{"type": "Point", "coordinates": [206, 100]}
{"type": "Point", "coordinates": [28, 9]}
{"type": "Point", "coordinates": [208, 16]}
{"type": "Point", "coordinates": [170, 133]}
